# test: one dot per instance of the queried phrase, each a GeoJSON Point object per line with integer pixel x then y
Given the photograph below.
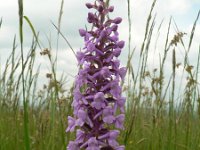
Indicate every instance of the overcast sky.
{"type": "Point", "coordinates": [42, 12]}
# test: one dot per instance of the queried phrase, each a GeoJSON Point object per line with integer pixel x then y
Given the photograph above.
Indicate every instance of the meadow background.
{"type": "Point", "coordinates": [38, 67]}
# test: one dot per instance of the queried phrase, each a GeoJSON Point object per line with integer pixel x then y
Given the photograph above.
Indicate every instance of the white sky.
{"type": "Point", "coordinates": [41, 12]}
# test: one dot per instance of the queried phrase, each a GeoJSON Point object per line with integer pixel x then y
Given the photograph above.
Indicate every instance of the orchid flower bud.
{"type": "Point", "coordinates": [89, 5]}
{"type": "Point", "coordinates": [117, 20]}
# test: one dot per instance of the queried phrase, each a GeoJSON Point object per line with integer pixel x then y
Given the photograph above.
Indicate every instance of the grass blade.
{"type": "Point", "coordinates": [25, 103]}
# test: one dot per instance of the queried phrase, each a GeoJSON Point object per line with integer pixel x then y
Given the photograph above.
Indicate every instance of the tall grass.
{"type": "Point", "coordinates": [25, 101]}
{"type": "Point", "coordinates": [159, 116]}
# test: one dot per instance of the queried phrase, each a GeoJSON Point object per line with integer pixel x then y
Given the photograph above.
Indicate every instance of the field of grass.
{"type": "Point", "coordinates": [158, 115]}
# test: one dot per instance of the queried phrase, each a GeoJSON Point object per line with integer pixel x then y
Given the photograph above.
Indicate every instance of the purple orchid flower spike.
{"type": "Point", "coordinates": [98, 102]}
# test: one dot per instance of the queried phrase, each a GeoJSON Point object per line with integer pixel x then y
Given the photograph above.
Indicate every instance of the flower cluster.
{"type": "Point", "coordinates": [98, 103]}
